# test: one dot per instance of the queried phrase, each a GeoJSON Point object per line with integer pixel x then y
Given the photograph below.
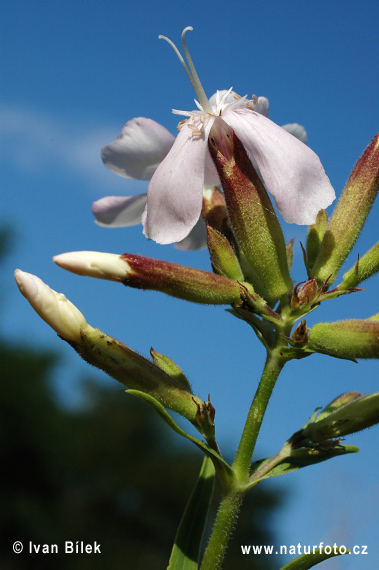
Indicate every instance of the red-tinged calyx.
{"type": "Point", "coordinates": [349, 215]}
{"type": "Point", "coordinates": [180, 281]}
{"type": "Point", "coordinates": [250, 211]}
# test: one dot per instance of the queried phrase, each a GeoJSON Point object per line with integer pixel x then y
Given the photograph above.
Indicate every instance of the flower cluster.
{"type": "Point", "coordinates": [180, 168]}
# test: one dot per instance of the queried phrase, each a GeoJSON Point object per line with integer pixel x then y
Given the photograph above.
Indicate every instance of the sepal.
{"type": "Point", "coordinates": [169, 367]}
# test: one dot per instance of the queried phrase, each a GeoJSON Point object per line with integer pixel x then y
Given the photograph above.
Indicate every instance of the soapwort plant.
{"type": "Point", "coordinates": [217, 175]}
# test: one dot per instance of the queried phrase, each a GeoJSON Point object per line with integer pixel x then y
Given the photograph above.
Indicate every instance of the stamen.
{"type": "Point", "coordinates": [196, 132]}
{"type": "Point", "coordinates": [181, 123]}
{"type": "Point", "coordinates": [191, 72]}
{"type": "Point", "coordinates": [255, 100]}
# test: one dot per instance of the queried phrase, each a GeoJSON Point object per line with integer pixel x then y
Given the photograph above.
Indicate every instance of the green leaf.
{"type": "Point", "coordinates": [309, 560]}
{"type": "Point", "coordinates": [186, 549]}
{"type": "Point", "coordinates": [301, 458]}
{"type": "Point", "coordinates": [224, 470]}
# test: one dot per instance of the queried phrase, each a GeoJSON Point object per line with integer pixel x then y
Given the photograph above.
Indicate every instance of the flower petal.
{"type": "Point", "coordinates": [175, 193]}
{"type": "Point", "coordinates": [119, 211]}
{"type": "Point", "coordinates": [141, 146]}
{"type": "Point", "coordinates": [297, 131]}
{"type": "Point", "coordinates": [291, 171]}
{"type": "Point", "coordinates": [262, 106]}
{"type": "Point", "coordinates": [196, 239]}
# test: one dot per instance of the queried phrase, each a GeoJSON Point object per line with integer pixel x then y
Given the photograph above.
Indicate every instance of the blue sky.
{"type": "Point", "coordinates": [73, 74]}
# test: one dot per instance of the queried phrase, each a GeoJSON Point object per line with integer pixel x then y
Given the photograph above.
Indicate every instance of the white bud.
{"type": "Point", "coordinates": [51, 306]}
{"type": "Point", "coordinates": [94, 264]}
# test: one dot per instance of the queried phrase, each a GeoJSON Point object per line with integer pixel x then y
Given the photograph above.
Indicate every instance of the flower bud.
{"type": "Point", "coordinates": [365, 267]}
{"type": "Point", "coordinates": [223, 256]}
{"type": "Point", "coordinates": [300, 334]}
{"type": "Point", "coordinates": [250, 211]}
{"type": "Point", "coordinates": [52, 307]}
{"type": "Point", "coordinates": [315, 236]}
{"type": "Point", "coordinates": [304, 295]}
{"type": "Point", "coordinates": [108, 266]}
{"type": "Point", "coordinates": [349, 413]}
{"type": "Point", "coordinates": [350, 339]}
{"type": "Point", "coordinates": [349, 215]}
{"type": "Point", "coordinates": [106, 353]}
{"type": "Point", "coordinates": [143, 272]}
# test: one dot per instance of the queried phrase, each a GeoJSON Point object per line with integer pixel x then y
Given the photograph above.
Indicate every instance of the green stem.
{"type": "Point", "coordinates": [273, 365]}
{"type": "Point", "coordinates": [225, 521]}
{"type": "Point", "coordinates": [230, 504]}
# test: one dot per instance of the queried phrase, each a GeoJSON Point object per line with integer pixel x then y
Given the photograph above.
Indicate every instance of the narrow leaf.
{"type": "Point", "coordinates": [224, 470]}
{"type": "Point", "coordinates": [186, 550]}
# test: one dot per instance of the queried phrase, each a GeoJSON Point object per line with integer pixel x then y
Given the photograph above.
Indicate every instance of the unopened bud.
{"type": "Point", "coordinates": [364, 268]}
{"type": "Point", "coordinates": [300, 334]}
{"type": "Point", "coordinates": [250, 210]}
{"type": "Point", "coordinates": [143, 272]}
{"type": "Point", "coordinates": [349, 413]}
{"type": "Point", "coordinates": [350, 339]}
{"type": "Point", "coordinates": [349, 215]}
{"type": "Point", "coordinates": [52, 307]}
{"type": "Point", "coordinates": [304, 295]}
{"type": "Point", "coordinates": [223, 256]}
{"type": "Point", "coordinates": [315, 236]}
{"type": "Point", "coordinates": [94, 264]}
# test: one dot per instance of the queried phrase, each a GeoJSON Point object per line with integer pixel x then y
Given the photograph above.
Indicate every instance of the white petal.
{"type": "Point", "coordinates": [139, 149]}
{"type": "Point", "coordinates": [175, 193]}
{"type": "Point", "coordinates": [291, 171]}
{"type": "Point", "coordinates": [119, 211]}
{"type": "Point", "coordinates": [51, 306]}
{"type": "Point", "coordinates": [216, 97]}
{"type": "Point", "coordinates": [94, 264]}
{"type": "Point", "coordinates": [263, 106]}
{"type": "Point", "coordinates": [297, 131]}
{"type": "Point", "coordinates": [196, 239]}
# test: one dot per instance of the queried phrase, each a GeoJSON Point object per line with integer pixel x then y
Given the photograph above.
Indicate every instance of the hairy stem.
{"type": "Point", "coordinates": [273, 366]}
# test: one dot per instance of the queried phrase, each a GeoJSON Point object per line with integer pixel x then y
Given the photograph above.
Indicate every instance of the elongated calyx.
{"type": "Point", "coordinates": [250, 211]}
{"type": "Point", "coordinates": [143, 272]}
{"type": "Point", "coordinates": [349, 214]}
{"type": "Point", "coordinates": [350, 339]}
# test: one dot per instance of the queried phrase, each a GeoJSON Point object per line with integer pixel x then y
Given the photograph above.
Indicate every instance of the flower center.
{"type": "Point", "coordinates": [207, 109]}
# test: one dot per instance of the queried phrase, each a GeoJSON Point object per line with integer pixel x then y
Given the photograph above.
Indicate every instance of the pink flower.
{"type": "Point", "coordinates": [290, 170]}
